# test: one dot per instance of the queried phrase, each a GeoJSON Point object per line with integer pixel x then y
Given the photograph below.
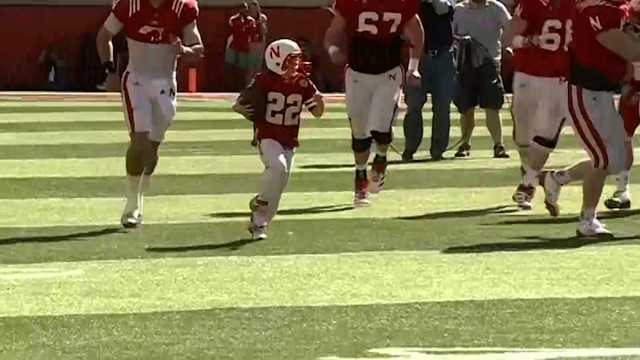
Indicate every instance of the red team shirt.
{"type": "Point", "coordinates": [243, 30]}
{"type": "Point", "coordinates": [280, 118]}
{"type": "Point", "coordinates": [594, 67]}
{"type": "Point", "coordinates": [144, 23]}
{"type": "Point", "coordinates": [374, 29]}
{"type": "Point", "coordinates": [553, 25]}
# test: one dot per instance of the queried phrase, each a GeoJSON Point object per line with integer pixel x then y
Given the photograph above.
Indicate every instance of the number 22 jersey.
{"type": "Point", "coordinates": [553, 25]}
{"type": "Point", "coordinates": [278, 114]}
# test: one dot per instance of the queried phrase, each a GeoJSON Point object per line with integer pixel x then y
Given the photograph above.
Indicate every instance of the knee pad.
{"type": "Point", "coordinates": [361, 145]}
{"type": "Point", "coordinates": [546, 144]}
{"type": "Point", "coordinates": [549, 144]}
{"type": "Point", "coordinates": [382, 138]}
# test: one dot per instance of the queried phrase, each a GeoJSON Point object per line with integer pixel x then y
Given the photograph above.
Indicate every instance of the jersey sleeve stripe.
{"type": "Point", "coordinates": [180, 7]}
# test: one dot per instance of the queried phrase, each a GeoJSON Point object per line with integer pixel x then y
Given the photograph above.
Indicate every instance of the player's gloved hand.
{"type": "Point", "coordinates": [336, 55]}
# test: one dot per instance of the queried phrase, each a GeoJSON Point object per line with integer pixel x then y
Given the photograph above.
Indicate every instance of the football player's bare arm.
{"type": "Point", "coordinates": [104, 44]}
{"type": "Point", "coordinates": [191, 37]}
{"type": "Point", "coordinates": [512, 35]}
{"type": "Point", "coordinates": [334, 38]}
{"type": "Point", "coordinates": [414, 34]}
{"type": "Point", "coordinates": [244, 102]}
{"type": "Point", "coordinates": [620, 43]}
{"type": "Point", "coordinates": [316, 105]}
{"type": "Point", "coordinates": [245, 109]}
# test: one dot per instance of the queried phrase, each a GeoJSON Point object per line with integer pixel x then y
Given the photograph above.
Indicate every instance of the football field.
{"type": "Point", "coordinates": [441, 266]}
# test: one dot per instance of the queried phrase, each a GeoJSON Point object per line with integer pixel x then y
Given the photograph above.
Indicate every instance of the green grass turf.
{"type": "Point", "coordinates": [179, 124]}
{"type": "Point", "coordinates": [454, 219]}
{"type": "Point", "coordinates": [479, 230]}
{"type": "Point", "coordinates": [308, 333]}
{"type": "Point", "coordinates": [481, 147]}
{"type": "Point", "coordinates": [246, 183]}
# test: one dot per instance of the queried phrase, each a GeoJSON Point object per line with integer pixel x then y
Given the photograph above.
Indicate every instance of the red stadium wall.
{"type": "Point", "coordinates": [28, 30]}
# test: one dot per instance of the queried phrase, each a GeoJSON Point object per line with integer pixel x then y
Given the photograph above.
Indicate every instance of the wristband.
{"type": "Point", "coordinates": [414, 63]}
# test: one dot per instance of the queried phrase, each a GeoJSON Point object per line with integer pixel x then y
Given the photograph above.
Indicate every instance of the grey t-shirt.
{"type": "Point", "coordinates": [483, 22]}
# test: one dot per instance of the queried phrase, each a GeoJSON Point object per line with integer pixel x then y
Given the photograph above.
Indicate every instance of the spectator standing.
{"type": "Point", "coordinates": [479, 23]}
{"type": "Point", "coordinates": [259, 39]}
{"type": "Point", "coordinates": [56, 63]}
{"type": "Point", "coordinates": [438, 78]}
{"type": "Point", "coordinates": [243, 27]}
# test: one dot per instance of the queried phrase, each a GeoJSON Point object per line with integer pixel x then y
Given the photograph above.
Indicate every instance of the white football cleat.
{"type": "Point", "coordinates": [592, 228]}
{"type": "Point", "coordinates": [621, 200]}
{"type": "Point", "coordinates": [258, 232]}
{"type": "Point", "coordinates": [552, 189]}
{"type": "Point", "coordinates": [131, 219]}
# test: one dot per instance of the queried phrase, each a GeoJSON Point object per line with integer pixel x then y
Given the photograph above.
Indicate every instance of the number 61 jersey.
{"type": "Point", "coordinates": [551, 21]}
{"type": "Point", "coordinates": [278, 104]}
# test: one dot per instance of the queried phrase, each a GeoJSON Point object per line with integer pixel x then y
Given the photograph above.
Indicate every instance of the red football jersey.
{"type": "Point", "coordinates": [147, 24]}
{"type": "Point", "coordinates": [553, 24]}
{"type": "Point", "coordinates": [243, 30]}
{"type": "Point", "coordinates": [374, 29]}
{"type": "Point", "coordinates": [595, 67]}
{"type": "Point", "coordinates": [280, 118]}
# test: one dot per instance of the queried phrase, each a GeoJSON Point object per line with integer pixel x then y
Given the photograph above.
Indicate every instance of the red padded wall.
{"type": "Point", "coordinates": [27, 30]}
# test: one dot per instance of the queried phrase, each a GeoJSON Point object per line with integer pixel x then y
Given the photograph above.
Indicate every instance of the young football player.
{"type": "Point", "coordinates": [273, 101]}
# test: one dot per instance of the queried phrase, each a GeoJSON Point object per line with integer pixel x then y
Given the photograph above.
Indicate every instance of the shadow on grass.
{"type": "Point", "coordinates": [502, 209]}
{"type": "Point", "coordinates": [540, 243]}
{"type": "Point", "coordinates": [390, 162]}
{"type": "Point", "coordinates": [61, 238]}
{"type": "Point", "coordinates": [620, 214]}
{"type": "Point", "coordinates": [301, 211]}
{"type": "Point", "coordinates": [231, 246]}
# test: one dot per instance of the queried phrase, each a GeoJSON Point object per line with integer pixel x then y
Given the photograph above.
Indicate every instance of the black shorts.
{"type": "Point", "coordinates": [481, 86]}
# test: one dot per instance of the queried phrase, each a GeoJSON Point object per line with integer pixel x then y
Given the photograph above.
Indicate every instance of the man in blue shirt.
{"type": "Point", "coordinates": [438, 78]}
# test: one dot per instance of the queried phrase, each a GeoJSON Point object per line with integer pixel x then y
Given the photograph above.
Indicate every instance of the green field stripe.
{"type": "Point", "coordinates": [172, 209]}
{"type": "Point", "coordinates": [482, 148]}
{"type": "Point", "coordinates": [188, 121]}
{"type": "Point", "coordinates": [184, 107]}
{"type": "Point", "coordinates": [228, 183]}
{"type": "Point", "coordinates": [251, 164]}
{"type": "Point", "coordinates": [496, 228]}
{"type": "Point", "coordinates": [295, 333]}
{"type": "Point", "coordinates": [315, 280]}
{"type": "Point", "coordinates": [201, 122]}
{"type": "Point", "coordinates": [107, 137]}
{"type": "Point", "coordinates": [203, 184]}
{"type": "Point", "coordinates": [8, 120]}
{"type": "Point", "coordinates": [116, 116]}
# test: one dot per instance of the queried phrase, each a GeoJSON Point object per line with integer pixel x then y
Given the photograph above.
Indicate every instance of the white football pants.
{"type": "Point", "coordinates": [278, 163]}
